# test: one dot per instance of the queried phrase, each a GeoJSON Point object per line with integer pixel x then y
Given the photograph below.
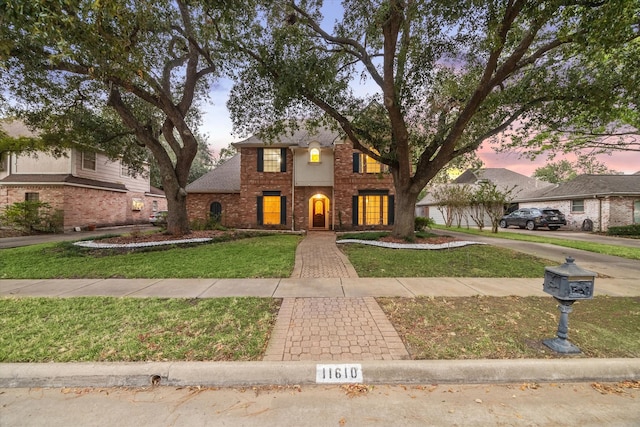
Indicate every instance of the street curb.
{"type": "Point", "coordinates": [240, 374]}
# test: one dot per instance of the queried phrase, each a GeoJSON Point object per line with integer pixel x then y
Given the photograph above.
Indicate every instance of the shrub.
{"type": "Point", "coordinates": [625, 230]}
{"type": "Point", "coordinates": [422, 223]}
{"type": "Point", "coordinates": [32, 216]}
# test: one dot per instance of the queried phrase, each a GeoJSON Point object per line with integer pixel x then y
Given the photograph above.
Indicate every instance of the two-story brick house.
{"type": "Point", "coordinates": [303, 181]}
{"type": "Point", "coordinates": [87, 187]}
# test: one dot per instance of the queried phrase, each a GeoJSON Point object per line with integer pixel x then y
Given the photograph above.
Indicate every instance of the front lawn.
{"type": "Point", "coordinates": [600, 248]}
{"type": "Point", "coordinates": [134, 329]}
{"type": "Point", "coordinates": [512, 327]}
{"type": "Point", "coordinates": [468, 261]}
{"type": "Point", "coordinates": [263, 256]}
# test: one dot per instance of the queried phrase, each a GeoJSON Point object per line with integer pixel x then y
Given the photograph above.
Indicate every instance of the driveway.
{"type": "Point", "coordinates": [604, 265]}
{"type": "Point", "coordinates": [14, 242]}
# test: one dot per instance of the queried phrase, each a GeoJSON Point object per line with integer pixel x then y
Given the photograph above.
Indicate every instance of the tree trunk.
{"type": "Point", "coordinates": [174, 189]}
{"type": "Point", "coordinates": [177, 219]}
{"type": "Point", "coordinates": [404, 213]}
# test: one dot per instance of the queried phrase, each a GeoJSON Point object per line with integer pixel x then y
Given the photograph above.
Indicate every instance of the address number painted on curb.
{"type": "Point", "coordinates": [338, 374]}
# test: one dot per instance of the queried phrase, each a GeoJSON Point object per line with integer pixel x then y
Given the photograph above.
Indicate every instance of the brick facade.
{"type": "Point", "coordinates": [199, 206]}
{"type": "Point", "coordinates": [603, 212]}
{"type": "Point", "coordinates": [240, 210]}
{"type": "Point", "coordinates": [87, 206]}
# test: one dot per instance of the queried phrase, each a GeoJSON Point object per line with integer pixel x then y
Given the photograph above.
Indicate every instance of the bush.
{"type": "Point", "coordinates": [421, 223]}
{"type": "Point", "coordinates": [208, 224]}
{"type": "Point", "coordinates": [625, 230]}
{"type": "Point", "coordinates": [32, 217]}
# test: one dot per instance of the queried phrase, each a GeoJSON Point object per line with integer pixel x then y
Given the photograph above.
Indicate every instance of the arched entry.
{"type": "Point", "coordinates": [319, 212]}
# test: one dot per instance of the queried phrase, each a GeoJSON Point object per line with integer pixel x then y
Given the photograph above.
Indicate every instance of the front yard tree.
{"type": "Point", "coordinates": [113, 75]}
{"type": "Point", "coordinates": [444, 76]}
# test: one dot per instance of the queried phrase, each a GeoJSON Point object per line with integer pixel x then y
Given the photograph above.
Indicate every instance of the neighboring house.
{"type": "Point", "coordinates": [87, 187]}
{"type": "Point", "coordinates": [589, 202]}
{"type": "Point", "coordinates": [302, 181]}
{"type": "Point", "coordinates": [504, 179]}
{"type": "Point", "coordinates": [592, 201]}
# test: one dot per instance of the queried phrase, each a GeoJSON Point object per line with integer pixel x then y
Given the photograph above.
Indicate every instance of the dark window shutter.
{"type": "Point", "coordinates": [354, 210]}
{"type": "Point", "coordinates": [283, 210]}
{"type": "Point", "coordinates": [260, 159]}
{"type": "Point", "coordinates": [391, 210]}
{"type": "Point", "coordinates": [356, 162]}
{"type": "Point", "coordinates": [259, 210]}
{"type": "Point", "coordinates": [283, 160]}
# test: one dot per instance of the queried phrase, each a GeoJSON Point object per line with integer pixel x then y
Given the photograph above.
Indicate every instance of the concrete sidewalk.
{"type": "Point", "coordinates": [297, 287]}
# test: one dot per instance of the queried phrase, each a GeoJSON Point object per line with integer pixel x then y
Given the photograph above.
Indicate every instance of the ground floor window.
{"type": "Point", "coordinates": [373, 209]}
{"type": "Point", "coordinates": [215, 211]}
{"type": "Point", "coordinates": [31, 197]}
{"type": "Point", "coordinates": [271, 208]}
{"type": "Point", "coordinates": [577, 205]}
{"type": "Point", "coordinates": [636, 212]}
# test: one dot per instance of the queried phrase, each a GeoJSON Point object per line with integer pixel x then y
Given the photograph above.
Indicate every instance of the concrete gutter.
{"type": "Point", "coordinates": [237, 374]}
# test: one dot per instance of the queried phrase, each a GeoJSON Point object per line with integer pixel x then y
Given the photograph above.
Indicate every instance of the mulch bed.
{"type": "Point", "coordinates": [436, 240]}
{"type": "Point", "coordinates": [162, 237]}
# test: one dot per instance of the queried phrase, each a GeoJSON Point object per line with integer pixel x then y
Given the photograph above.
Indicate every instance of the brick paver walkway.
{"type": "Point", "coordinates": [325, 329]}
{"type": "Point", "coordinates": [318, 256]}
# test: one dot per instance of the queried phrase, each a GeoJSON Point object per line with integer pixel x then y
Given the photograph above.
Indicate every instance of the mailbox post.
{"type": "Point", "coordinates": [567, 284]}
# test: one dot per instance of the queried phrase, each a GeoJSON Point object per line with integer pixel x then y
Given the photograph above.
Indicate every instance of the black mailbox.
{"type": "Point", "coordinates": [568, 281]}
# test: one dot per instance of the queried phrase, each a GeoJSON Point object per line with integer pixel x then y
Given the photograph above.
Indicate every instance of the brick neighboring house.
{"type": "Point", "coordinates": [605, 200]}
{"type": "Point", "coordinates": [303, 181]}
{"type": "Point", "coordinates": [87, 187]}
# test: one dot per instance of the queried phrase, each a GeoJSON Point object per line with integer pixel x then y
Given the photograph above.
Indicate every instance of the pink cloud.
{"type": "Point", "coordinates": [627, 162]}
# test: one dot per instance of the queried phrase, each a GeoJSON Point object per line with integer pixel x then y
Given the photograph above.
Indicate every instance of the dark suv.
{"type": "Point", "coordinates": [532, 218]}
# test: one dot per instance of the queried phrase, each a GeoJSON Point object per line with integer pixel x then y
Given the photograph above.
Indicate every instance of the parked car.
{"type": "Point", "coordinates": [158, 218]}
{"type": "Point", "coordinates": [532, 218]}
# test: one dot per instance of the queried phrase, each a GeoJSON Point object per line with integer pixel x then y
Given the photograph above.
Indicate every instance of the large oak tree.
{"type": "Point", "coordinates": [446, 76]}
{"type": "Point", "coordinates": [113, 75]}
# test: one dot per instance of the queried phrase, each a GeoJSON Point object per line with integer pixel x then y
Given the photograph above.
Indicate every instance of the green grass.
{"type": "Point", "coordinates": [512, 327]}
{"type": "Point", "coordinates": [129, 329]}
{"type": "Point", "coordinates": [264, 256]}
{"type": "Point", "coordinates": [601, 248]}
{"type": "Point", "coordinates": [468, 261]}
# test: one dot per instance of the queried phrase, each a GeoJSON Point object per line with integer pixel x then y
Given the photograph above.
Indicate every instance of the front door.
{"type": "Point", "coordinates": [318, 213]}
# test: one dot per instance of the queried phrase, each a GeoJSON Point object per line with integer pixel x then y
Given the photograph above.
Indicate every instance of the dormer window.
{"type": "Point", "coordinates": [314, 152]}
{"type": "Point", "coordinates": [314, 155]}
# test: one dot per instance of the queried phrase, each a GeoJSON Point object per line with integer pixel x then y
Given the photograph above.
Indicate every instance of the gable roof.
{"type": "Point", "coordinates": [16, 128]}
{"type": "Point", "coordinates": [504, 179]}
{"type": "Point", "coordinates": [590, 186]}
{"type": "Point", "coordinates": [300, 138]}
{"type": "Point", "coordinates": [223, 179]}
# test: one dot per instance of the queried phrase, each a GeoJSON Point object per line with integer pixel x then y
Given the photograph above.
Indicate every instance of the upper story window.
{"type": "Point", "coordinates": [314, 155]}
{"type": "Point", "coordinates": [365, 164]}
{"type": "Point", "coordinates": [89, 160]}
{"type": "Point", "coordinates": [371, 165]}
{"type": "Point", "coordinates": [125, 170]}
{"type": "Point", "coordinates": [272, 159]}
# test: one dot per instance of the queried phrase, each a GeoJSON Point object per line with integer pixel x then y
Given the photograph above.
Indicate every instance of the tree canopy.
{"type": "Point", "coordinates": [446, 76]}
{"type": "Point", "coordinates": [118, 76]}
